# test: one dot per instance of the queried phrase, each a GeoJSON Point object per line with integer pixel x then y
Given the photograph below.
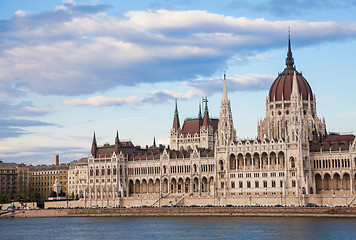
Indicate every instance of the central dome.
{"type": "Point", "coordinates": [281, 88]}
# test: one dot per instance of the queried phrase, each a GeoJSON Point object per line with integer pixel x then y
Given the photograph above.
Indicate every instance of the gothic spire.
{"type": "Point", "coordinates": [206, 113]}
{"type": "Point", "coordinates": [117, 140]}
{"type": "Point", "coordinates": [176, 124]}
{"type": "Point", "coordinates": [94, 147]}
{"type": "Point", "coordinates": [289, 59]}
{"type": "Point", "coordinates": [199, 114]}
{"type": "Point", "coordinates": [225, 98]}
{"type": "Point", "coordinates": [154, 142]}
{"type": "Point", "coordinates": [176, 110]}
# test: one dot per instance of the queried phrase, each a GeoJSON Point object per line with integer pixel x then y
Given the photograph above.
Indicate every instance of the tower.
{"type": "Point", "coordinates": [94, 147]}
{"type": "Point", "coordinates": [226, 131]}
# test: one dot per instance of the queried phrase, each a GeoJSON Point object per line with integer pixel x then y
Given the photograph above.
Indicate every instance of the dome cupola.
{"type": "Point", "coordinates": [281, 88]}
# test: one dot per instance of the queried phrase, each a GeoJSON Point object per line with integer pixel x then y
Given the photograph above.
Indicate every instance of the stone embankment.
{"type": "Point", "coordinates": [187, 211]}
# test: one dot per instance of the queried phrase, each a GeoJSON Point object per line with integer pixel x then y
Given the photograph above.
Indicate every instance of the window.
{"type": "Point", "coordinates": [264, 174]}
{"type": "Point", "coordinates": [248, 184]}
{"type": "Point", "coordinates": [293, 183]}
{"type": "Point", "coordinates": [232, 184]}
{"type": "Point", "coordinates": [257, 184]}
{"type": "Point", "coordinates": [241, 185]}
{"type": "Point", "coordinates": [108, 171]}
{"type": "Point", "coordinates": [103, 171]}
{"type": "Point", "coordinates": [264, 183]}
{"type": "Point", "coordinates": [273, 183]}
{"type": "Point", "coordinates": [97, 172]}
{"type": "Point", "coordinates": [222, 184]}
{"type": "Point", "coordinates": [281, 183]}
{"type": "Point", "coordinates": [114, 171]}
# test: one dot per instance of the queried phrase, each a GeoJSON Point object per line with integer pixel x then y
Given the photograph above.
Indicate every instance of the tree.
{"type": "Point", "coordinates": [2, 198]}
{"type": "Point", "coordinates": [72, 195]}
{"type": "Point", "coordinates": [76, 197]}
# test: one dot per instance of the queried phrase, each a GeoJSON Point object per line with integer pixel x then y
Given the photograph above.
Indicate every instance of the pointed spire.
{"type": "Point", "coordinates": [94, 147]}
{"type": "Point", "coordinates": [289, 59]}
{"type": "Point", "coordinates": [206, 112]}
{"type": "Point", "coordinates": [117, 140]}
{"type": "Point", "coordinates": [176, 124]}
{"type": "Point", "coordinates": [176, 110]}
{"type": "Point", "coordinates": [154, 142]}
{"type": "Point", "coordinates": [199, 114]}
{"type": "Point", "coordinates": [295, 89]}
{"type": "Point", "coordinates": [117, 143]}
{"type": "Point", "coordinates": [94, 139]}
{"type": "Point", "coordinates": [225, 98]}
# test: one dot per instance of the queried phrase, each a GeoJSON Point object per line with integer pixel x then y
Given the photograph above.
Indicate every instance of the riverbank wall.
{"type": "Point", "coordinates": [188, 211]}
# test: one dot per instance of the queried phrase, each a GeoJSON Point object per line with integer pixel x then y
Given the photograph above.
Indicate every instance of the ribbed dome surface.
{"type": "Point", "coordinates": [283, 84]}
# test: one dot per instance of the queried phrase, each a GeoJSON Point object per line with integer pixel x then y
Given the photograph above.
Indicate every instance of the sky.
{"type": "Point", "coordinates": [72, 68]}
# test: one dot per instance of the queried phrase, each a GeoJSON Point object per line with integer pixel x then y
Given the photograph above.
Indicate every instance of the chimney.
{"type": "Point", "coordinates": [57, 159]}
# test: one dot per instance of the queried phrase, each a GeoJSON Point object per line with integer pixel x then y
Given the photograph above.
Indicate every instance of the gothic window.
{"type": "Point", "coordinates": [248, 184]}
{"type": "Point", "coordinates": [103, 171]}
{"type": "Point", "coordinates": [91, 172]}
{"type": "Point", "coordinates": [114, 171]}
{"type": "Point", "coordinates": [241, 184]}
{"type": "Point", "coordinates": [108, 171]}
{"type": "Point", "coordinates": [232, 184]}
{"type": "Point", "coordinates": [281, 183]}
{"type": "Point", "coordinates": [273, 183]}
{"type": "Point", "coordinates": [292, 162]}
{"type": "Point", "coordinates": [265, 184]}
{"type": "Point", "coordinates": [293, 183]}
{"type": "Point", "coordinates": [257, 184]}
{"type": "Point", "coordinates": [97, 172]}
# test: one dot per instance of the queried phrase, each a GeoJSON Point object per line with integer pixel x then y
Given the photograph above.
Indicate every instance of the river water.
{"type": "Point", "coordinates": [100, 228]}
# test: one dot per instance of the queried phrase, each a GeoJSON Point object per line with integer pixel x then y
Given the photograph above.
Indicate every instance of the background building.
{"type": "Point", "coordinates": [43, 177]}
{"type": "Point", "coordinates": [77, 178]}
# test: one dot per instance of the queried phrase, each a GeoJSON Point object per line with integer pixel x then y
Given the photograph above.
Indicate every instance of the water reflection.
{"type": "Point", "coordinates": [179, 228]}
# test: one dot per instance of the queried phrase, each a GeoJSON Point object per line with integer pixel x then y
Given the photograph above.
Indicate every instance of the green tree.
{"type": "Point", "coordinates": [2, 198]}
{"type": "Point", "coordinates": [72, 195]}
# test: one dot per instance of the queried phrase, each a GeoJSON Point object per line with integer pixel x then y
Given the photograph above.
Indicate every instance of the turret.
{"type": "Point", "coordinates": [206, 113]}
{"type": "Point", "coordinates": [117, 143]}
{"type": "Point", "coordinates": [94, 147]}
{"type": "Point", "coordinates": [176, 124]}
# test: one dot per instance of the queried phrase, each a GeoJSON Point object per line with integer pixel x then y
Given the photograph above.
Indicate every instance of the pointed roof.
{"type": "Point", "coordinates": [117, 140]}
{"type": "Point", "coordinates": [199, 114]}
{"type": "Point", "coordinates": [94, 140]}
{"type": "Point", "coordinates": [289, 59]}
{"type": "Point", "coordinates": [154, 142]}
{"type": "Point", "coordinates": [176, 124]}
{"type": "Point", "coordinates": [225, 98]}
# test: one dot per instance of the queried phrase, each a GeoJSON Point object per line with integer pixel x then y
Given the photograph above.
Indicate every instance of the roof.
{"type": "Point", "coordinates": [7, 165]}
{"type": "Point", "coordinates": [192, 125]}
{"type": "Point", "coordinates": [48, 167]}
{"type": "Point", "coordinates": [333, 143]}
{"type": "Point", "coordinates": [282, 86]}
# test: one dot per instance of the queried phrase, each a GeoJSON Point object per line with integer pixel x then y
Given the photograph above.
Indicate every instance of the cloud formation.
{"type": "Point", "coordinates": [80, 49]}
{"type": "Point", "coordinates": [190, 89]}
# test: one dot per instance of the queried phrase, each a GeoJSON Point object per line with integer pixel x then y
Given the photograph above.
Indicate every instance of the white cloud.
{"type": "Point", "coordinates": [81, 50]}
{"type": "Point", "coordinates": [102, 101]}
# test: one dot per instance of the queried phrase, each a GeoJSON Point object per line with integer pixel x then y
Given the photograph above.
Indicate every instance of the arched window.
{"type": "Point", "coordinates": [91, 172]}
{"type": "Point", "coordinates": [97, 172]}
{"type": "Point", "coordinates": [292, 162]}
{"type": "Point", "coordinates": [108, 171]}
{"type": "Point", "coordinates": [103, 171]}
{"type": "Point", "coordinates": [293, 183]}
{"type": "Point", "coordinates": [248, 184]}
{"type": "Point", "coordinates": [114, 171]}
{"type": "Point", "coordinates": [221, 163]}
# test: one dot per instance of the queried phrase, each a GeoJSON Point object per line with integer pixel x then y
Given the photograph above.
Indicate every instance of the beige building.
{"type": "Point", "coordinates": [43, 177]}
{"type": "Point", "coordinates": [77, 177]}
{"type": "Point", "coordinates": [14, 181]}
{"type": "Point", "coordinates": [291, 161]}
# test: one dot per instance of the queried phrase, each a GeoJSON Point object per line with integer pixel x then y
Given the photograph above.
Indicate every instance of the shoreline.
{"type": "Point", "coordinates": [188, 212]}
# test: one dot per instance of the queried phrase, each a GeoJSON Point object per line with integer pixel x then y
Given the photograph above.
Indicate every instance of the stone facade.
{"type": "Point", "coordinates": [77, 177]}
{"type": "Point", "coordinates": [292, 161]}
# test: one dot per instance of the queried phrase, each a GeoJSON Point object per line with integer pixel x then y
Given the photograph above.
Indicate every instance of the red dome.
{"type": "Point", "coordinates": [283, 84]}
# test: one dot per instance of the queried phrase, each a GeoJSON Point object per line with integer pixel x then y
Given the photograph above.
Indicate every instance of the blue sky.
{"type": "Point", "coordinates": [69, 68]}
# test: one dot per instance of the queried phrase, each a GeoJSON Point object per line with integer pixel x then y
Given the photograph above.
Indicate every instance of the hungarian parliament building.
{"type": "Point", "coordinates": [292, 161]}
